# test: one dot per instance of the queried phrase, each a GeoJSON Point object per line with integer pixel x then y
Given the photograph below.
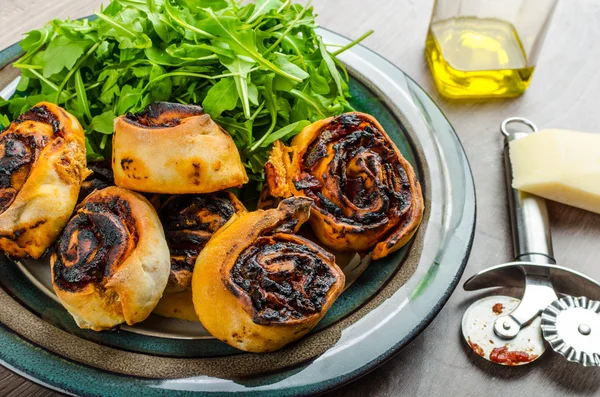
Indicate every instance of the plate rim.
{"type": "Point", "coordinates": [9, 53]}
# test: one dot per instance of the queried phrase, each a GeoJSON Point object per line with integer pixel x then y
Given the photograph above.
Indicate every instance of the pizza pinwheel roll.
{"type": "Point", "coordinates": [257, 286]}
{"type": "Point", "coordinates": [189, 222]}
{"type": "Point", "coordinates": [366, 196]}
{"type": "Point", "coordinates": [111, 263]}
{"type": "Point", "coordinates": [174, 149]}
{"type": "Point", "coordinates": [42, 165]}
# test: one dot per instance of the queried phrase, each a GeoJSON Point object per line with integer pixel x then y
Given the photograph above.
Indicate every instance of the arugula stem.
{"type": "Point", "coordinates": [353, 43]}
{"type": "Point", "coordinates": [185, 74]}
{"type": "Point", "coordinates": [260, 107]}
{"type": "Point", "coordinates": [275, 28]}
{"type": "Point", "coordinates": [253, 24]}
{"type": "Point", "coordinates": [342, 67]}
{"type": "Point", "coordinates": [242, 87]}
{"type": "Point", "coordinates": [289, 28]}
{"type": "Point", "coordinates": [26, 66]}
{"type": "Point", "coordinates": [116, 25]}
{"type": "Point", "coordinates": [285, 4]}
{"type": "Point", "coordinates": [82, 95]}
{"type": "Point", "coordinates": [266, 134]}
{"type": "Point", "coordinates": [91, 87]}
{"type": "Point", "coordinates": [182, 23]}
{"type": "Point", "coordinates": [305, 98]}
{"type": "Point", "coordinates": [104, 140]}
{"type": "Point", "coordinates": [252, 52]}
{"type": "Point", "coordinates": [45, 80]}
{"type": "Point", "coordinates": [294, 47]}
{"type": "Point", "coordinates": [72, 71]}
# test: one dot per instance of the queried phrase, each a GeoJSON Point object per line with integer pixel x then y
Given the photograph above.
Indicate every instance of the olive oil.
{"type": "Point", "coordinates": [477, 58]}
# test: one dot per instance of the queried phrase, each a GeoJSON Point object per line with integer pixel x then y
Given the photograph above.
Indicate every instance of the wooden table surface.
{"type": "Point", "coordinates": [565, 93]}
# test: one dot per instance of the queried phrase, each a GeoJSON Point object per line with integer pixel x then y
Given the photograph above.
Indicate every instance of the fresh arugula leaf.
{"type": "Point", "coordinates": [103, 123]}
{"type": "Point", "coordinates": [318, 83]}
{"type": "Point", "coordinates": [221, 97]}
{"type": "Point", "coordinates": [4, 121]}
{"type": "Point", "coordinates": [82, 94]}
{"type": "Point", "coordinates": [285, 133]}
{"type": "Point", "coordinates": [159, 56]}
{"type": "Point", "coordinates": [289, 67]}
{"type": "Point", "coordinates": [91, 152]}
{"type": "Point", "coordinates": [62, 53]}
{"type": "Point", "coordinates": [331, 66]}
{"type": "Point", "coordinates": [23, 83]}
{"type": "Point", "coordinates": [240, 67]}
{"type": "Point", "coordinates": [35, 39]}
{"type": "Point", "coordinates": [243, 43]}
{"type": "Point", "coordinates": [127, 99]}
{"type": "Point", "coordinates": [262, 7]}
{"type": "Point", "coordinates": [160, 86]}
{"type": "Point", "coordinates": [258, 68]}
{"type": "Point", "coordinates": [197, 5]}
{"type": "Point", "coordinates": [110, 89]}
{"type": "Point", "coordinates": [194, 52]}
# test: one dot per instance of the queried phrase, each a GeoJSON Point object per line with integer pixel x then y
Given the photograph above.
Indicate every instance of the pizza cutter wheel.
{"type": "Point", "coordinates": [510, 331]}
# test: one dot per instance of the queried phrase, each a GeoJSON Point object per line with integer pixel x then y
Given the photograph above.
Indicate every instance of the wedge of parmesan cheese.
{"type": "Point", "coordinates": [559, 165]}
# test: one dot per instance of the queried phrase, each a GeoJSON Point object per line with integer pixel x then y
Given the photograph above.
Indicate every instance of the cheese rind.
{"type": "Point", "coordinates": [559, 165]}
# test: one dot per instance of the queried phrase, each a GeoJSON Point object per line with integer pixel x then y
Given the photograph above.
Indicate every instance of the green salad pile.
{"type": "Point", "coordinates": [259, 69]}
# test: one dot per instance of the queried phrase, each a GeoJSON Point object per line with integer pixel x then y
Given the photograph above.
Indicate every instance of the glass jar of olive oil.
{"type": "Point", "coordinates": [486, 48]}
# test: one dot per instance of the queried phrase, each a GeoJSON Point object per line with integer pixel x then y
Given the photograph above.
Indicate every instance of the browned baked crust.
{"type": "Point", "coordinates": [42, 164]}
{"type": "Point", "coordinates": [258, 286]}
{"type": "Point", "coordinates": [111, 263]}
{"type": "Point", "coordinates": [366, 196]}
{"type": "Point", "coordinates": [189, 222]}
{"type": "Point", "coordinates": [174, 149]}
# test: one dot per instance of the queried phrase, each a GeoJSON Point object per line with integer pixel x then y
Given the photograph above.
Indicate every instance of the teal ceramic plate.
{"type": "Point", "coordinates": [384, 309]}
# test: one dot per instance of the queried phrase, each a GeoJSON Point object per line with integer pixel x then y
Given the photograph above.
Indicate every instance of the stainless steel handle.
{"type": "Point", "coordinates": [532, 241]}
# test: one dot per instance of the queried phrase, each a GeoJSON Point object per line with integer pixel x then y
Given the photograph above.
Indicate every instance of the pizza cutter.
{"type": "Point", "coordinates": [511, 331]}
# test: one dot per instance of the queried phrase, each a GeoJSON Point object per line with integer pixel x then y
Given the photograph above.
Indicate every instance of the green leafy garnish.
{"type": "Point", "coordinates": [259, 69]}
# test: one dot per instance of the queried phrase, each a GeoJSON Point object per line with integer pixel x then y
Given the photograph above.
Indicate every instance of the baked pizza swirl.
{"type": "Point", "coordinates": [42, 164]}
{"type": "Point", "coordinates": [174, 149]}
{"type": "Point", "coordinates": [111, 263]}
{"type": "Point", "coordinates": [257, 286]}
{"type": "Point", "coordinates": [189, 222]}
{"type": "Point", "coordinates": [366, 196]}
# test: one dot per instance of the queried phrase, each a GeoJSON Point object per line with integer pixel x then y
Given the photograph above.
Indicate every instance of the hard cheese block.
{"type": "Point", "coordinates": [559, 165]}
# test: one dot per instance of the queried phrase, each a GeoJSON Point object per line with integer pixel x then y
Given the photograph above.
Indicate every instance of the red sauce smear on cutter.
{"type": "Point", "coordinates": [501, 355]}
{"type": "Point", "coordinates": [497, 308]}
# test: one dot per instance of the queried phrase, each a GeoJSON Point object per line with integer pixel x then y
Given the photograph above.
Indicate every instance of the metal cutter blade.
{"type": "Point", "coordinates": [478, 331]}
{"type": "Point", "coordinates": [572, 327]}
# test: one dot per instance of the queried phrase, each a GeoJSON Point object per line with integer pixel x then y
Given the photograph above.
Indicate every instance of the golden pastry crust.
{"type": "Point", "coordinates": [174, 149]}
{"type": "Point", "coordinates": [189, 221]}
{"type": "Point", "coordinates": [257, 286]}
{"type": "Point", "coordinates": [111, 263]}
{"type": "Point", "coordinates": [366, 195]}
{"type": "Point", "coordinates": [42, 158]}
{"type": "Point", "coordinates": [177, 305]}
